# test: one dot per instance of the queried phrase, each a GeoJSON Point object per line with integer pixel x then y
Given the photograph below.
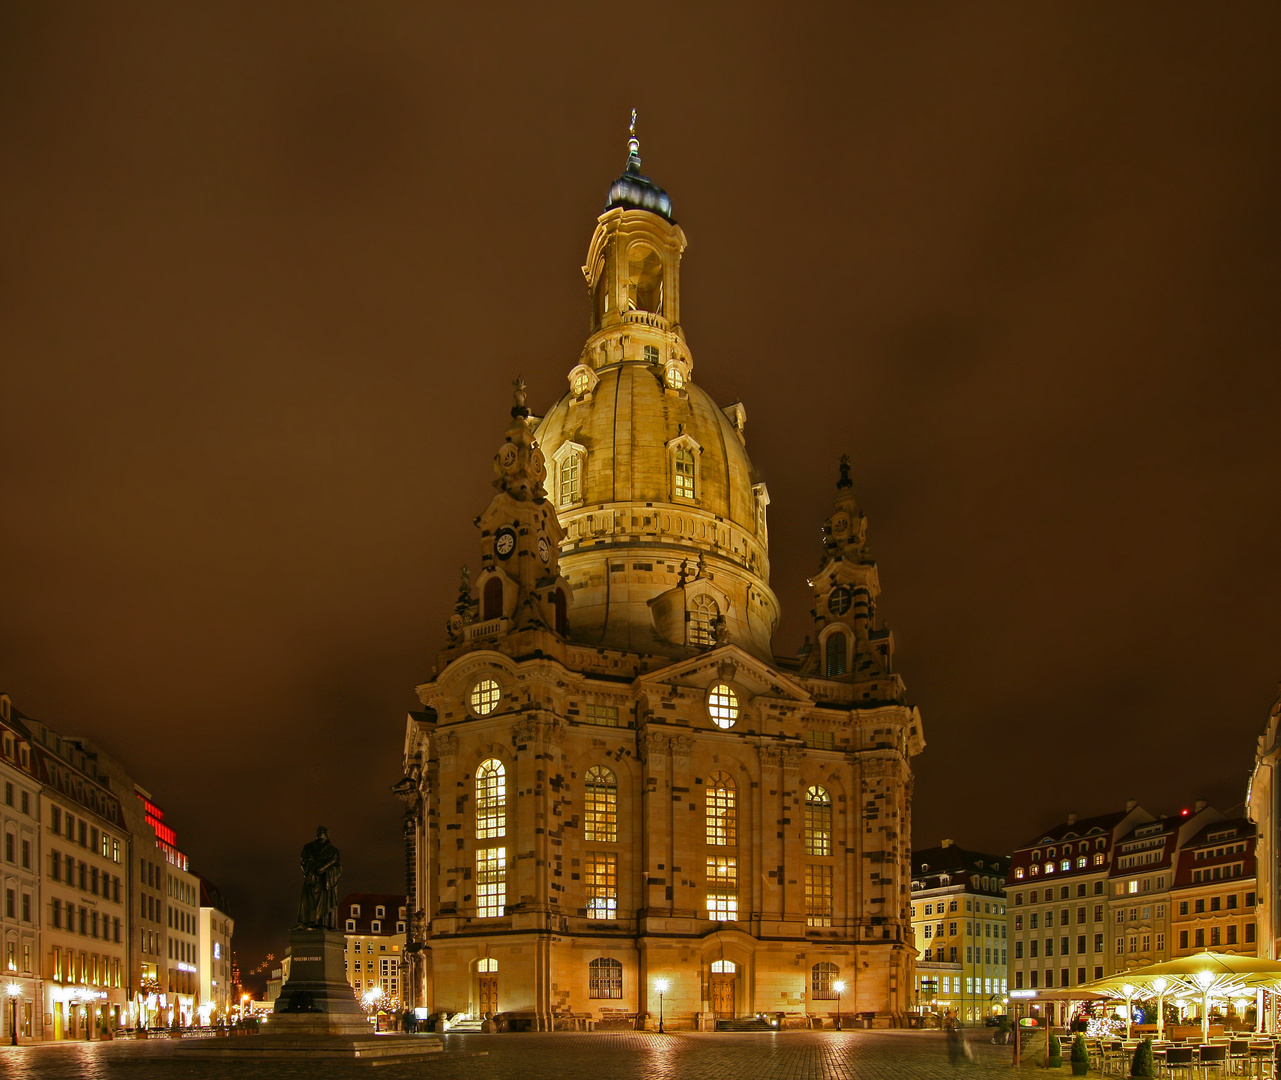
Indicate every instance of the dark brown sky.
{"type": "Point", "coordinates": [268, 270]}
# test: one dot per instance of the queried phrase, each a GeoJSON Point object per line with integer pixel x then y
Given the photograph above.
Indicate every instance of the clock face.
{"type": "Point", "coordinates": [544, 549]}
{"type": "Point", "coordinates": [838, 602]}
{"type": "Point", "coordinates": [536, 465]}
{"type": "Point", "coordinates": [505, 542]}
{"type": "Point", "coordinates": [507, 456]}
{"type": "Point", "coordinates": [840, 524]}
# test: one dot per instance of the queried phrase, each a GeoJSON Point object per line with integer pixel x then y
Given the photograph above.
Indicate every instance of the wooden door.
{"type": "Point", "coordinates": [488, 994]}
{"type": "Point", "coordinates": [723, 996]}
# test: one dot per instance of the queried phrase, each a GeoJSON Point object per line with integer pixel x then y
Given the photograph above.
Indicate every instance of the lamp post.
{"type": "Point", "coordinates": [839, 987]}
{"type": "Point", "coordinates": [1128, 991]}
{"type": "Point", "coordinates": [1205, 979]}
{"type": "Point", "coordinates": [661, 986]}
{"type": "Point", "coordinates": [1160, 985]}
{"type": "Point", "coordinates": [13, 990]}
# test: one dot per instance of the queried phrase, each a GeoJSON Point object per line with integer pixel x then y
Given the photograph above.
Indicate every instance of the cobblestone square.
{"type": "Point", "coordinates": [865, 1055]}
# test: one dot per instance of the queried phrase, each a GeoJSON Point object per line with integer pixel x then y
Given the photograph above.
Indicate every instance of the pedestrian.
{"type": "Point", "coordinates": [958, 1050]}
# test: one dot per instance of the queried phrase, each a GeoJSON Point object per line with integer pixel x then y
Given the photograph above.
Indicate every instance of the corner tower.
{"type": "Point", "coordinates": [665, 519]}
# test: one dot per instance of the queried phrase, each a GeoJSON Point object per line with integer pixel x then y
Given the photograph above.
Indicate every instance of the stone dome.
{"type": "Point", "coordinates": [631, 538]}
{"type": "Point", "coordinates": [633, 189]}
{"type": "Point", "coordinates": [626, 424]}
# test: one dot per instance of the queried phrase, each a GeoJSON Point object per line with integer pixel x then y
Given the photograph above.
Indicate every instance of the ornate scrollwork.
{"type": "Point", "coordinates": [446, 745]}
{"type": "Point", "coordinates": [682, 746]}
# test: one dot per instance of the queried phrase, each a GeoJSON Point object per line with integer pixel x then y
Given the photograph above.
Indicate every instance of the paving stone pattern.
{"type": "Point", "coordinates": [862, 1055]}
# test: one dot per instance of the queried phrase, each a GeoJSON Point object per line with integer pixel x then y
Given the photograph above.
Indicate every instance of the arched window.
{"type": "Point", "coordinates": [604, 978]}
{"type": "Point", "coordinates": [561, 613]}
{"type": "Point", "coordinates": [835, 648]}
{"type": "Point", "coordinates": [493, 605]}
{"type": "Point", "coordinates": [569, 492]}
{"type": "Point", "coordinates": [491, 800]}
{"type": "Point", "coordinates": [823, 977]}
{"type": "Point", "coordinates": [600, 806]}
{"type": "Point", "coordinates": [818, 821]}
{"type": "Point", "coordinates": [683, 464]}
{"type": "Point", "coordinates": [724, 967]}
{"type": "Point", "coordinates": [702, 614]}
{"type": "Point", "coordinates": [487, 964]}
{"type": "Point", "coordinates": [722, 810]}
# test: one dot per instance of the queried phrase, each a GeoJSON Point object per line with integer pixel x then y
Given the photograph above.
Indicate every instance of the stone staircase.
{"type": "Point", "coordinates": [754, 1023]}
{"type": "Point", "coordinates": [461, 1026]}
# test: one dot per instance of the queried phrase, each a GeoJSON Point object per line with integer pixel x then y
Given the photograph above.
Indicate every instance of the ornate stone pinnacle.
{"type": "Point", "coordinates": [845, 481]}
{"type": "Point", "coordinates": [518, 395]}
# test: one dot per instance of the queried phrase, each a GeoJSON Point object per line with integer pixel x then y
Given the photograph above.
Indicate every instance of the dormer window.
{"type": "Point", "coordinates": [674, 377]}
{"type": "Point", "coordinates": [375, 927]}
{"type": "Point", "coordinates": [568, 463]}
{"type": "Point", "coordinates": [684, 473]}
{"type": "Point", "coordinates": [703, 611]}
{"type": "Point", "coordinates": [355, 911]}
{"type": "Point", "coordinates": [380, 911]}
{"type": "Point", "coordinates": [582, 381]}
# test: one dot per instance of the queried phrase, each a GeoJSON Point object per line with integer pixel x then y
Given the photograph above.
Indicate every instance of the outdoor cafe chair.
{"type": "Point", "coordinates": [1211, 1057]}
{"type": "Point", "coordinates": [1180, 1058]}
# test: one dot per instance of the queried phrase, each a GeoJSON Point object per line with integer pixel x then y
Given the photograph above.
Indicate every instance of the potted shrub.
{"type": "Point", "coordinates": [1080, 1056]}
{"type": "Point", "coordinates": [1142, 1064]}
{"type": "Point", "coordinates": [1056, 1052]}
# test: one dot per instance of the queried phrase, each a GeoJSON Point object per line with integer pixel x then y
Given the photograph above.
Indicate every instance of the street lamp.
{"type": "Point", "coordinates": [839, 987]}
{"type": "Point", "coordinates": [1160, 985]}
{"type": "Point", "coordinates": [1205, 980]}
{"type": "Point", "coordinates": [661, 986]}
{"type": "Point", "coordinates": [13, 990]}
{"type": "Point", "coordinates": [1128, 991]}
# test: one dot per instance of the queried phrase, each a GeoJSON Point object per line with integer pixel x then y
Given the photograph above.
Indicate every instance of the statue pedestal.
{"type": "Point", "coordinates": [317, 988]}
{"type": "Point", "coordinates": [317, 1015]}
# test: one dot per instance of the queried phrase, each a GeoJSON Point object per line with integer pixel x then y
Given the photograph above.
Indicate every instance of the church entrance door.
{"type": "Point", "coordinates": [723, 996]}
{"type": "Point", "coordinates": [488, 994]}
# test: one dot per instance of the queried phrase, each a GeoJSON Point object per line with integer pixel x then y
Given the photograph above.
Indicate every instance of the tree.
{"type": "Point", "coordinates": [1142, 1065]}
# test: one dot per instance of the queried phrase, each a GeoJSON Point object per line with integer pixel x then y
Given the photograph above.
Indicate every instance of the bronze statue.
{"type": "Point", "coordinates": [321, 868]}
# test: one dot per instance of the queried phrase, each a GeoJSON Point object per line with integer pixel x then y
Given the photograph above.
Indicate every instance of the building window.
{"type": "Point", "coordinates": [601, 715]}
{"type": "Point", "coordinates": [581, 382]}
{"type": "Point", "coordinates": [722, 887]}
{"type": "Point", "coordinates": [569, 471]}
{"type": "Point", "coordinates": [823, 978]}
{"type": "Point", "coordinates": [675, 377]}
{"type": "Point", "coordinates": [492, 606]}
{"type": "Point", "coordinates": [703, 611]}
{"type": "Point", "coordinates": [487, 966]}
{"type": "Point", "coordinates": [818, 896]}
{"type": "Point", "coordinates": [491, 800]}
{"type": "Point", "coordinates": [486, 694]}
{"type": "Point", "coordinates": [724, 967]}
{"type": "Point", "coordinates": [722, 810]}
{"type": "Point", "coordinates": [600, 806]}
{"type": "Point", "coordinates": [722, 706]}
{"type": "Point", "coordinates": [491, 882]}
{"type": "Point", "coordinates": [835, 648]}
{"type": "Point", "coordinates": [683, 465]}
{"type": "Point", "coordinates": [604, 978]}
{"type": "Point", "coordinates": [818, 822]}
{"type": "Point", "coordinates": [600, 874]}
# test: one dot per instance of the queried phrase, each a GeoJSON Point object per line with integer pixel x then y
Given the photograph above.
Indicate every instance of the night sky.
{"type": "Point", "coordinates": [268, 271]}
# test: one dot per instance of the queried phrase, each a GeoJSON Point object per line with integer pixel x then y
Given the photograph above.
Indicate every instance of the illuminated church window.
{"type": "Point", "coordinates": [491, 882]}
{"type": "Point", "coordinates": [600, 806]}
{"type": "Point", "coordinates": [722, 810]}
{"type": "Point", "coordinates": [491, 800]}
{"type": "Point", "coordinates": [818, 896]}
{"type": "Point", "coordinates": [674, 376]}
{"type": "Point", "coordinates": [485, 696]}
{"type": "Point", "coordinates": [604, 978]}
{"type": "Point", "coordinates": [818, 821]}
{"type": "Point", "coordinates": [722, 706]}
{"type": "Point", "coordinates": [722, 887]}
{"type": "Point", "coordinates": [569, 480]}
{"type": "Point", "coordinates": [600, 876]}
{"type": "Point", "coordinates": [835, 649]}
{"type": "Point", "coordinates": [684, 462]}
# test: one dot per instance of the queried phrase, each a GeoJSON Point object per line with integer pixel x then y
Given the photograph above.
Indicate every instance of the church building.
{"type": "Point", "coordinates": [615, 791]}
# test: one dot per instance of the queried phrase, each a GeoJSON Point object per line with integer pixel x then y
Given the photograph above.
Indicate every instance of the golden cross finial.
{"type": "Point", "coordinates": [632, 130]}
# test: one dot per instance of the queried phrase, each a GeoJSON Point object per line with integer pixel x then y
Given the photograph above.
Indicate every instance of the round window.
{"type": "Point", "coordinates": [722, 706]}
{"type": "Point", "coordinates": [675, 379]}
{"type": "Point", "coordinates": [582, 383]}
{"type": "Point", "coordinates": [485, 696]}
{"type": "Point", "coordinates": [838, 601]}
